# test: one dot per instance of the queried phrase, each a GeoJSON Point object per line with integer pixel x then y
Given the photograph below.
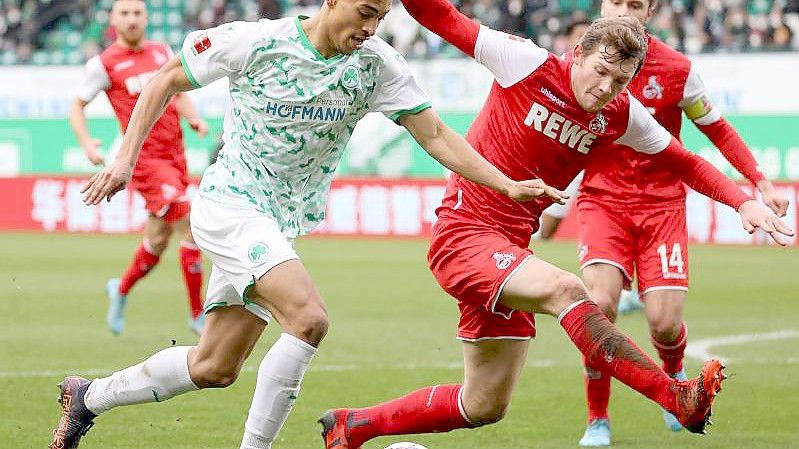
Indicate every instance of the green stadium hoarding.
{"type": "Point", "coordinates": [379, 148]}
{"type": "Point", "coordinates": [35, 137]}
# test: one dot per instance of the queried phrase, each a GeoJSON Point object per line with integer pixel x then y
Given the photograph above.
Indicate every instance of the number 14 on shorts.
{"type": "Point", "coordinates": [671, 265]}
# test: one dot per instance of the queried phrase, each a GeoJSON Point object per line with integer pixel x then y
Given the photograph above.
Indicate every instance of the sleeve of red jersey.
{"type": "Point", "coordinates": [700, 110]}
{"type": "Point", "coordinates": [95, 80]}
{"type": "Point", "coordinates": [442, 18]}
{"type": "Point", "coordinates": [644, 134]}
{"type": "Point", "coordinates": [701, 175]}
{"type": "Point", "coordinates": [509, 58]}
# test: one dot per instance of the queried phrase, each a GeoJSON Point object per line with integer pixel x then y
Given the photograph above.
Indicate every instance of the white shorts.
{"type": "Point", "coordinates": [243, 245]}
{"type": "Point", "coordinates": [573, 189]}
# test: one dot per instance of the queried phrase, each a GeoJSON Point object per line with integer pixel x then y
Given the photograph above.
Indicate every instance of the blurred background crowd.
{"type": "Point", "coordinates": [43, 32]}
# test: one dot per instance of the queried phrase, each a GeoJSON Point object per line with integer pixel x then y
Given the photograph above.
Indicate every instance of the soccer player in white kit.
{"type": "Point", "coordinates": [298, 86]}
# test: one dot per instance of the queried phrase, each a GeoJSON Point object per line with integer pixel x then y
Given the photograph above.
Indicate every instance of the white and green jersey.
{"type": "Point", "coordinates": [291, 113]}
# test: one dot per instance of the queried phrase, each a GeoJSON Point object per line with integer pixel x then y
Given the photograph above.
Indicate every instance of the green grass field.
{"type": "Point", "coordinates": [392, 331]}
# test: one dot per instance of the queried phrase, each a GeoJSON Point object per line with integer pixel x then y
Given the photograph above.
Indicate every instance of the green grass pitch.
{"type": "Point", "coordinates": [392, 331]}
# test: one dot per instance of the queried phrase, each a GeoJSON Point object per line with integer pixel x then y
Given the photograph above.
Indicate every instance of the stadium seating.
{"type": "Point", "coordinates": [47, 32]}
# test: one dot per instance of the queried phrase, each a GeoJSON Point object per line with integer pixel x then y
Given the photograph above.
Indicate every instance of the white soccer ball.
{"type": "Point", "coordinates": [405, 445]}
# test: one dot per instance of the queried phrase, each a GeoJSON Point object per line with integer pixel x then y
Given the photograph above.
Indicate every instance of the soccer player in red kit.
{"type": "Point", "coordinates": [160, 176]}
{"type": "Point", "coordinates": [544, 118]}
{"type": "Point", "coordinates": [632, 213]}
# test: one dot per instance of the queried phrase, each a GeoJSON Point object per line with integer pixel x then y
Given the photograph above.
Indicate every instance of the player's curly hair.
{"type": "Point", "coordinates": [618, 39]}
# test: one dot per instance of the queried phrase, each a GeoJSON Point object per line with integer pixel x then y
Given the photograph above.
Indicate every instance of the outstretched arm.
{"type": "Point", "coordinates": [701, 176]}
{"type": "Point", "coordinates": [442, 18]}
{"type": "Point", "coordinates": [170, 80]}
{"type": "Point", "coordinates": [698, 107]}
{"type": "Point", "coordinates": [734, 149]}
{"type": "Point", "coordinates": [509, 58]}
{"type": "Point", "coordinates": [455, 153]}
{"type": "Point", "coordinates": [646, 135]}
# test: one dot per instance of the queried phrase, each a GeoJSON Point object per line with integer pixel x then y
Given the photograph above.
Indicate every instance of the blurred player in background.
{"type": "Point", "coordinates": [546, 118]}
{"type": "Point", "coordinates": [160, 176]}
{"type": "Point", "coordinates": [632, 214]}
{"type": "Point", "coordinates": [298, 86]}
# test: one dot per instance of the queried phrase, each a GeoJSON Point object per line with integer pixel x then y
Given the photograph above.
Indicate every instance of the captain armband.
{"type": "Point", "coordinates": [702, 111]}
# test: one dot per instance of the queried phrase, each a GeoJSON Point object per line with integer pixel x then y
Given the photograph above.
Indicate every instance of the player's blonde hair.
{"type": "Point", "coordinates": [617, 38]}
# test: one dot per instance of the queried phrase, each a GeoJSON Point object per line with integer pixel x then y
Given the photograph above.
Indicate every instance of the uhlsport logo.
{"type": "Point", "coordinates": [350, 78]}
{"type": "Point", "coordinates": [503, 260]}
{"type": "Point", "coordinates": [258, 252]}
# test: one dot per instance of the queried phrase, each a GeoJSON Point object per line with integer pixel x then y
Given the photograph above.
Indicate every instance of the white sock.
{"type": "Point", "coordinates": [164, 375]}
{"type": "Point", "coordinates": [276, 390]}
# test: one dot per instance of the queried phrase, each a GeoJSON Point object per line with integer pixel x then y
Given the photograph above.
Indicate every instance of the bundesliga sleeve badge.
{"type": "Point", "coordinates": [201, 43]}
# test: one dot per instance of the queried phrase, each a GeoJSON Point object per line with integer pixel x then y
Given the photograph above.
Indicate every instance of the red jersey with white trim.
{"type": "Point", "coordinates": [666, 85]}
{"type": "Point", "coordinates": [532, 126]}
{"type": "Point", "coordinates": [122, 73]}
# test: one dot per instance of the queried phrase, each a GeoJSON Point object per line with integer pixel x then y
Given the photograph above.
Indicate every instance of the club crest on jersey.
{"type": "Point", "coordinates": [598, 124]}
{"type": "Point", "coordinates": [201, 43]}
{"type": "Point", "coordinates": [257, 252]}
{"type": "Point", "coordinates": [350, 77]}
{"type": "Point", "coordinates": [653, 89]}
{"type": "Point", "coordinates": [503, 260]}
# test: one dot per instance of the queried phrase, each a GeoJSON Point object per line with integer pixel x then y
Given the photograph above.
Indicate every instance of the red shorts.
{"type": "Point", "coordinates": [162, 183]}
{"type": "Point", "coordinates": [473, 263]}
{"type": "Point", "coordinates": [652, 244]}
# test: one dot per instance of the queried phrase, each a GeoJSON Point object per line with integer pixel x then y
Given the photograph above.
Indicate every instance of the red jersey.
{"type": "Point", "coordinates": [666, 85]}
{"type": "Point", "coordinates": [122, 73]}
{"type": "Point", "coordinates": [532, 126]}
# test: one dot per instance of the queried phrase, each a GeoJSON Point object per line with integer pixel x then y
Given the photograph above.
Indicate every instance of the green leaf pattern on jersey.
{"type": "Point", "coordinates": [290, 118]}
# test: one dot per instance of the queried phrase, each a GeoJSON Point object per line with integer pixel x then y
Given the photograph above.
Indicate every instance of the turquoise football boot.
{"type": "Point", "coordinates": [596, 434]}
{"type": "Point", "coordinates": [629, 302]}
{"type": "Point", "coordinates": [115, 319]}
{"type": "Point", "coordinates": [197, 324]}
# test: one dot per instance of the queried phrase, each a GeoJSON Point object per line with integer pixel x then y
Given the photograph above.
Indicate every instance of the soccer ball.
{"type": "Point", "coordinates": [405, 445]}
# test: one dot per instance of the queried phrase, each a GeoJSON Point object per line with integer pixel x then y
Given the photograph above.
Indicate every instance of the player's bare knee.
{"type": "Point", "coordinates": [487, 412]}
{"type": "Point", "coordinates": [568, 288]}
{"type": "Point", "coordinates": [311, 323]}
{"type": "Point", "coordinates": [606, 303]}
{"type": "Point", "coordinates": [159, 242]}
{"type": "Point", "coordinates": [211, 374]}
{"type": "Point", "coordinates": [664, 330]}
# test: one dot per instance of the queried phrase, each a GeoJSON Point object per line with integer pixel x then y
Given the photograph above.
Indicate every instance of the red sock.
{"type": "Point", "coordinates": [597, 392]}
{"type": "Point", "coordinates": [429, 410]}
{"type": "Point", "coordinates": [672, 352]}
{"type": "Point", "coordinates": [192, 264]}
{"type": "Point", "coordinates": [143, 261]}
{"type": "Point", "coordinates": [611, 352]}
